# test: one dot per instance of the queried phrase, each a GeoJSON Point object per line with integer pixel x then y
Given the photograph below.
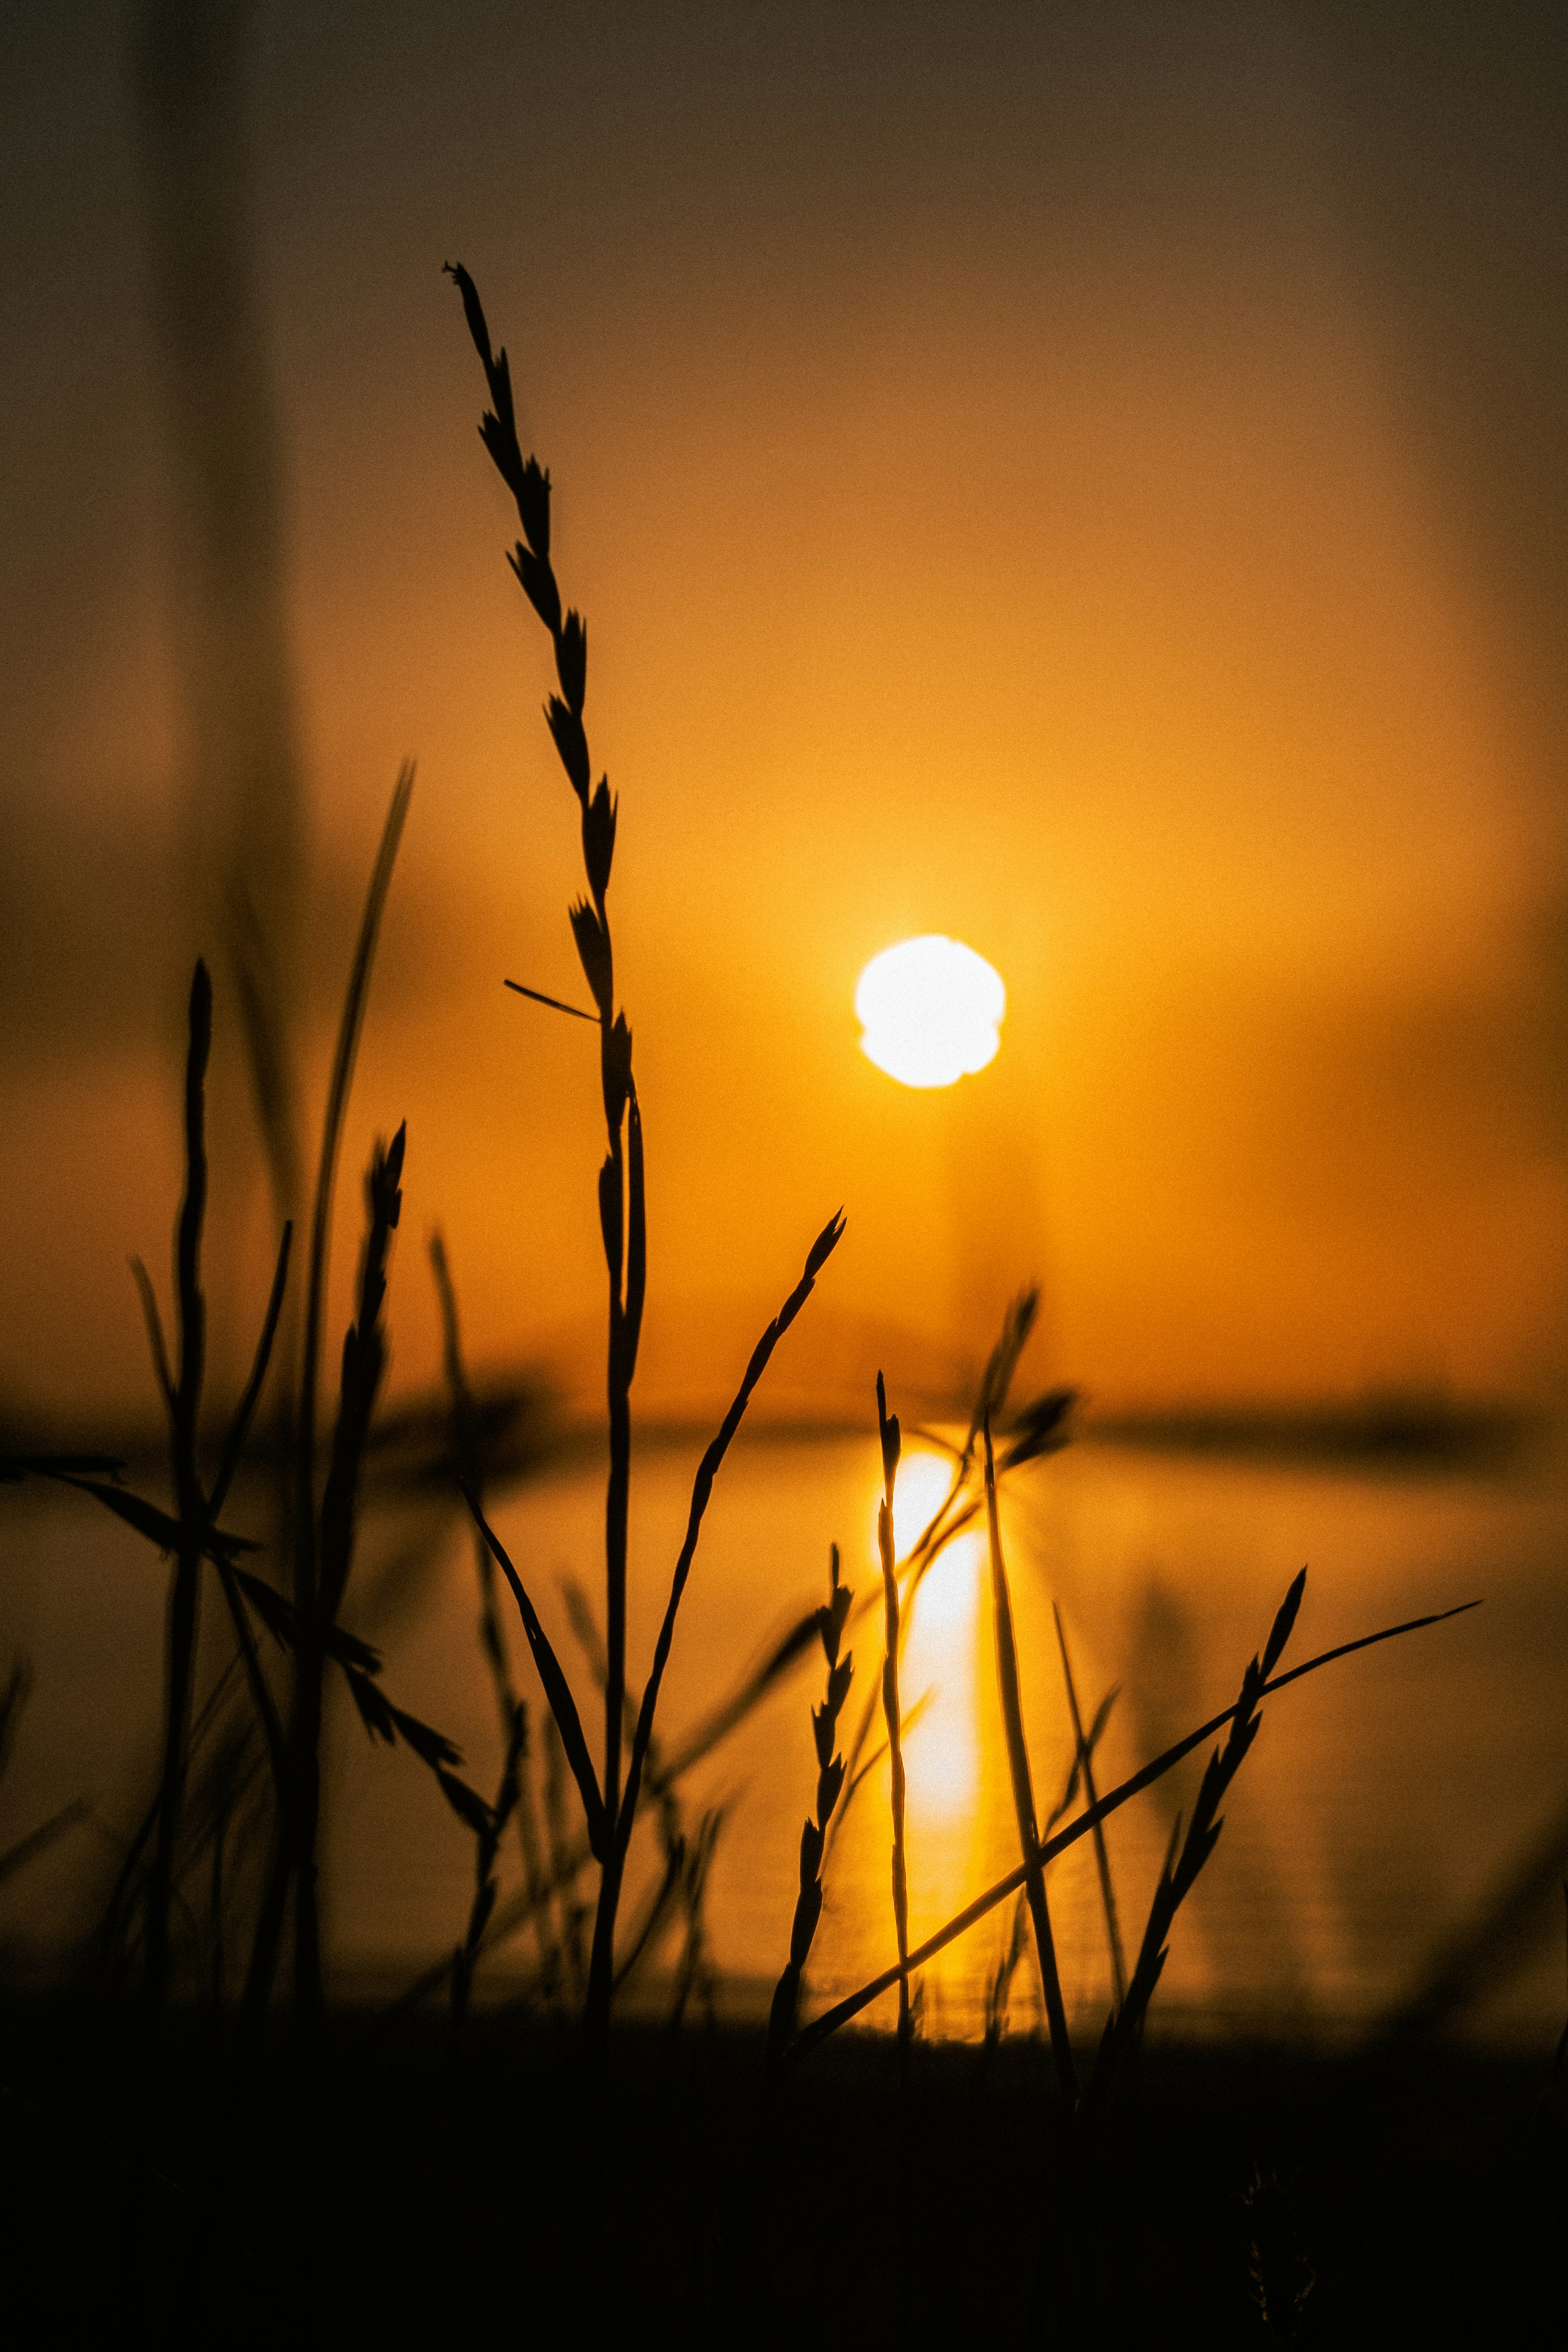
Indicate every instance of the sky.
{"type": "Point", "coordinates": [1087, 480]}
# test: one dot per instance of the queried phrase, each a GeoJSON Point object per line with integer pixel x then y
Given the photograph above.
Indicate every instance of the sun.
{"type": "Point", "coordinates": [930, 1010]}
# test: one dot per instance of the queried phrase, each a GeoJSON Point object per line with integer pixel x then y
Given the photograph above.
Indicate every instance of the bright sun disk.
{"type": "Point", "coordinates": [930, 1010]}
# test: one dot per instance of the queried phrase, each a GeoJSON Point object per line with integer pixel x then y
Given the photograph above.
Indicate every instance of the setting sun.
{"type": "Point", "coordinates": [930, 1010]}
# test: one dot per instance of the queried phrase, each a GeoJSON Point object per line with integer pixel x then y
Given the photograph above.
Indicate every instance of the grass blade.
{"type": "Point", "coordinates": [1022, 1789]}
{"type": "Point", "coordinates": [1102, 1860]}
{"type": "Point", "coordinates": [820, 1252]}
{"type": "Point", "coordinates": [892, 1440]}
{"type": "Point", "coordinates": [349, 1027]}
{"type": "Point", "coordinates": [557, 1690]}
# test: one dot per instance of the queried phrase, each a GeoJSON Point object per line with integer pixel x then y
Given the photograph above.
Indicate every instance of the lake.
{"type": "Point", "coordinates": [1388, 1802]}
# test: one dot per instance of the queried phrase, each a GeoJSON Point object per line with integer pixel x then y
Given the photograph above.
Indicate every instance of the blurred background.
{"type": "Point", "coordinates": [1089, 479]}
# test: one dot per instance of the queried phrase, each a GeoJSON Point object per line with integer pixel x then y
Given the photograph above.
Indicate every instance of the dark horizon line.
{"type": "Point", "coordinates": [529, 1428]}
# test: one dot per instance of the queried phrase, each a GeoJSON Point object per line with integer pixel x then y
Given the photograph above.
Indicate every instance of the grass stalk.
{"type": "Point", "coordinates": [300, 1807]}
{"type": "Point", "coordinates": [1084, 1748]}
{"type": "Point", "coordinates": [1023, 1791]}
{"type": "Point", "coordinates": [610, 1805]}
{"type": "Point", "coordinates": [887, 1430]}
{"type": "Point", "coordinates": [309, 1663]}
{"type": "Point", "coordinates": [185, 1401]}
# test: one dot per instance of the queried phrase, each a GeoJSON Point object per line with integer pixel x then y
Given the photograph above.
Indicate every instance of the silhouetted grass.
{"type": "Point", "coordinates": [636, 1772]}
{"type": "Point", "coordinates": [851, 2006]}
{"type": "Point", "coordinates": [609, 1805]}
{"type": "Point", "coordinates": [887, 1427]}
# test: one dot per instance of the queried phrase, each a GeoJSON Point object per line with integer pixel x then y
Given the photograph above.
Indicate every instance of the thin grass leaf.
{"type": "Point", "coordinates": [557, 1690]}
{"type": "Point", "coordinates": [432, 1748]}
{"type": "Point", "coordinates": [1085, 1755]}
{"type": "Point", "coordinates": [157, 1526]}
{"type": "Point", "coordinates": [245, 1412]}
{"type": "Point", "coordinates": [154, 1322]}
{"type": "Point", "coordinates": [537, 996]}
{"type": "Point", "coordinates": [47, 1834]}
{"type": "Point", "coordinates": [469, 1806]}
{"type": "Point", "coordinates": [13, 1468]}
{"type": "Point", "coordinates": [654, 1915]}
{"type": "Point", "coordinates": [1040, 1428]}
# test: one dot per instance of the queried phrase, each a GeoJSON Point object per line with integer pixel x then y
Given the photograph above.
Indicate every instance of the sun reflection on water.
{"type": "Point", "coordinates": [942, 1760]}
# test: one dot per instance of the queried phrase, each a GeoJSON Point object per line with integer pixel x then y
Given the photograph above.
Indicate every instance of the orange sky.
{"type": "Point", "coordinates": [1030, 512]}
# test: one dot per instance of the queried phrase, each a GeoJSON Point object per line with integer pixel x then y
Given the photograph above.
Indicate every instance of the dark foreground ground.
{"type": "Point", "coordinates": [400, 2190]}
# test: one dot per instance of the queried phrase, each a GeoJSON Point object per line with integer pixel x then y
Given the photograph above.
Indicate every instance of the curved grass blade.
{"type": "Point", "coordinates": [347, 1048]}
{"type": "Point", "coordinates": [821, 1250]}
{"type": "Point", "coordinates": [557, 1690]}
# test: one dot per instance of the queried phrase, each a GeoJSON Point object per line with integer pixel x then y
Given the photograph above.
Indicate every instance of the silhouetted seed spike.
{"type": "Point", "coordinates": [275, 1612]}
{"type": "Point", "coordinates": [473, 309]}
{"type": "Point", "coordinates": [599, 839]}
{"type": "Point", "coordinates": [430, 1745]}
{"type": "Point", "coordinates": [498, 377]}
{"type": "Point", "coordinates": [807, 1911]}
{"type": "Point", "coordinates": [499, 433]}
{"type": "Point", "coordinates": [610, 1216]}
{"type": "Point", "coordinates": [1275, 1646]}
{"type": "Point", "coordinates": [615, 1073]}
{"type": "Point", "coordinates": [593, 948]}
{"type": "Point", "coordinates": [537, 584]}
{"type": "Point", "coordinates": [887, 1427]}
{"type": "Point", "coordinates": [467, 1805]}
{"type": "Point", "coordinates": [391, 1172]}
{"type": "Point", "coordinates": [375, 1713]}
{"type": "Point", "coordinates": [823, 1247]}
{"type": "Point", "coordinates": [822, 1730]}
{"type": "Point", "coordinates": [1041, 1428]}
{"type": "Point", "coordinates": [810, 1853]}
{"type": "Point", "coordinates": [781, 2016]}
{"type": "Point", "coordinates": [570, 743]}
{"type": "Point", "coordinates": [572, 661]}
{"type": "Point", "coordinates": [534, 506]}
{"type": "Point", "coordinates": [829, 1782]}
{"type": "Point", "coordinates": [838, 1682]}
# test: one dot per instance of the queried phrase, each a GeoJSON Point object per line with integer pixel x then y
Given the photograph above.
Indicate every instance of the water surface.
{"type": "Point", "coordinates": [1385, 1801]}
